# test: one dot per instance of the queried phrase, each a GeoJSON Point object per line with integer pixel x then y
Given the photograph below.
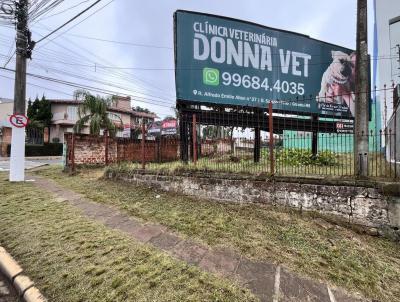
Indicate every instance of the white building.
{"type": "Point", "coordinates": [387, 69]}
{"type": "Point", "coordinates": [387, 41]}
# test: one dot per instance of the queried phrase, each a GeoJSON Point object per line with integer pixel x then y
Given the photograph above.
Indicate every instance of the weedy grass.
{"type": "Point", "coordinates": [72, 258]}
{"type": "Point", "coordinates": [301, 241]}
{"type": "Point", "coordinates": [288, 162]}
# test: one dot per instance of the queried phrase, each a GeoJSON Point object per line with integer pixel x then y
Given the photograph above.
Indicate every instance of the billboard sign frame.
{"type": "Point", "coordinates": [204, 76]}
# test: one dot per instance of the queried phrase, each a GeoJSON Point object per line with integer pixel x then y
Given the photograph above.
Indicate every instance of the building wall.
{"type": "Point", "coordinates": [387, 10]}
{"type": "Point", "coordinates": [6, 109]}
{"type": "Point", "coordinates": [66, 115]}
{"type": "Point", "coordinates": [5, 140]}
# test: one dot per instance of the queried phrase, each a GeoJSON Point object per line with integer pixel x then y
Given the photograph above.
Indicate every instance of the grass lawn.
{"type": "Point", "coordinates": [74, 259]}
{"type": "Point", "coordinates": [327, 252]}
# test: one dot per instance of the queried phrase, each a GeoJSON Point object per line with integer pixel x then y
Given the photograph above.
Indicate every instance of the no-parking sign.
{"type": "Point", "coordinates": [19, 120]}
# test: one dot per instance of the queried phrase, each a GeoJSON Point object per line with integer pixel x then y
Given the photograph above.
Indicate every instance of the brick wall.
{"type": "Point", "coordinates": [91, 150]}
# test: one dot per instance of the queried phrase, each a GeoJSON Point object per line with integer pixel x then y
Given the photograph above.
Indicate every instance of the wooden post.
{"type": "Point", "coordinates": [143, 146]}
{"type": "Point", "coordinates": [194, 139]}
{"type": "Point", "coordinates": [106, 147]}
{"type": "Point", "coordinates": [271, 139]}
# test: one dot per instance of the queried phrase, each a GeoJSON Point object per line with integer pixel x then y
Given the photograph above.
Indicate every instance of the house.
{"type": "Point", "coordinates": [6, 110]}
{"type": "Point", "coordinates": [65, 115]}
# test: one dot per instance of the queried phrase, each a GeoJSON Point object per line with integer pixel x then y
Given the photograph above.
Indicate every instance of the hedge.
{"type": "Point", "coordinates": [50, 149]}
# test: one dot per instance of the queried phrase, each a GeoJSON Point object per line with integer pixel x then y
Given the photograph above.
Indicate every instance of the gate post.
{"type": "Point", "coordinates": [194, 124]}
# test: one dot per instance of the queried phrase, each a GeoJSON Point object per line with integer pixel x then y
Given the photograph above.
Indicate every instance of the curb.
{"type": "Point", "coordinates": [23, 285]}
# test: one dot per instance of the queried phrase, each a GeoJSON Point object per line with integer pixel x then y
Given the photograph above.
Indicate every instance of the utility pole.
{"type": "Point", "coordinates": [23, 51]}
{"type": "Point", "coordinates": [362, 93]}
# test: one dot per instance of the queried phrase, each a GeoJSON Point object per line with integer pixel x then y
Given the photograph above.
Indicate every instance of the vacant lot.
{"type": "Point", "coordinates": [74, 259]}
{"type": "Point", "coordinates": [304, 243]}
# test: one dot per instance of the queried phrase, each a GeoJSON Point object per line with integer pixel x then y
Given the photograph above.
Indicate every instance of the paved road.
{"type": "Point", "coordinates": [7, 292]}
{"type": "Point", "coordinates": [29, 164]}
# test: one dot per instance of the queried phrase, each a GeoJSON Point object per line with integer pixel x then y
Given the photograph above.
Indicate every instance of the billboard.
{"type": "Point", "coordinates": [219, 60]}
{"type": "Point", "coordinates": [169, 127]}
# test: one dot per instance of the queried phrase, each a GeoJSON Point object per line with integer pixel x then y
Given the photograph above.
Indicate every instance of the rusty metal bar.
{"type": "Point", "coordinates": [271, 139]}
{"type": "Point", "coordinates": [106, 147]}
{"type": "Point", "coordinates": [194, 139]}
{"type": "Point", "coordinates": [143, 146]}
{"type": "Point", "coordinates": [73, 153]}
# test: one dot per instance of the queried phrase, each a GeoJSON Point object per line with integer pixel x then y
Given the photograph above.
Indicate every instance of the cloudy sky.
{"type": "Point", "coordinates": [137, 59]}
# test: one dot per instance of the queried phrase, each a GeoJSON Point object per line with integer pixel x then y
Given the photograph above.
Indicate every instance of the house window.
{"type": "Point", "coordinates": [115, 117]}
{"type": "Point", "coordinates": [72, 112]}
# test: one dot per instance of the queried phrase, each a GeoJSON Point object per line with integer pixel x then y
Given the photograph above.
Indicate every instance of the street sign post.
{"type": "Point", "coordinates": [17, 161]}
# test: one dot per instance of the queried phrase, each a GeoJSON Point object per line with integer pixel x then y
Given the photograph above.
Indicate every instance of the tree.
{"type": "Point", "coordinates": [93, 110]}
{"type": "Point", "coordinates": [141, 109]}
{"type": "Point", "coordinates": [39, 113]}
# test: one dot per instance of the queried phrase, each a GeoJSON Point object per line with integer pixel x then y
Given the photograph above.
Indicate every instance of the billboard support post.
{"type": "Point", "coordinates": [194, 126]}
{"type": "Point", "coordinates": [314, 139]}
{"type": "Point", "coordinates": [184, 148]}
{"type": "Point", "coordinates": [257, 144]}
{"type": "Point", "coordinates": [362, 88]}
{"type": "Point", "coordinates": [271, 138]}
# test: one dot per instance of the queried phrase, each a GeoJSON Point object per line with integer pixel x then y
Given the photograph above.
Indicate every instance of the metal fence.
{"type": "Point", "coordinates": [262, 141]}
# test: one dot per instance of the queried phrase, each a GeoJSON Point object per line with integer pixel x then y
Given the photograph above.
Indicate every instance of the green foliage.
{"type": "Point", "coordinates": [93, 111]}
{"type": "Point", "coordinates": [304, 157]}
{"type": "Point", "coordinates": [141, 109]}
{"type": "Point", "coordinates": [39, 113]}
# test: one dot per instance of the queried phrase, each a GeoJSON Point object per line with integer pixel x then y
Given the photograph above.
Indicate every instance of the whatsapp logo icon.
{"type": "Point", "coordinates": [211, 76]}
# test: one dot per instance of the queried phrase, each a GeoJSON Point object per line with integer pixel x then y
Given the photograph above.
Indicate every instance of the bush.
{"type": "Point", "coordinates": [303, 157]}
{"type": "Point", "coordinates": [50, 149]}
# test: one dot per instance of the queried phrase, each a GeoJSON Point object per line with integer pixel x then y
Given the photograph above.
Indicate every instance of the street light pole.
{"type": "Point", "coordinates": [17, 161]}
{"type": "Point", "coordinates": [362, 93]}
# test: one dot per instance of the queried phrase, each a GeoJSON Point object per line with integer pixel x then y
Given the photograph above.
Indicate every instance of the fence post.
{"type": "Point", "coordinates": [73, 153]}
{"type": "Point", "coordinates": [143, 146]}
{"type": "Point", "coordinates": [194, 139]}
{"type": "Point", "coordinates": [271, 139]}
{"type": "Point", "coordinates": [106, 147]}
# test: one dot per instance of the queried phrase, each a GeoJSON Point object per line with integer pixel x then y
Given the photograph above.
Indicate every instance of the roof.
{"type": "Point", "coordinates": [113, 109]}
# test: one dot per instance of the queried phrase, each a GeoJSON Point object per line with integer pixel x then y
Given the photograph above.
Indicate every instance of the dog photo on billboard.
{"type": "Point", "coordinates": [338, 81]}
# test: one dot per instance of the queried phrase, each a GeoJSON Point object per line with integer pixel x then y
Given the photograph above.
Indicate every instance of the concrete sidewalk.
{"type": "Point", "coordinates": [269, 282]}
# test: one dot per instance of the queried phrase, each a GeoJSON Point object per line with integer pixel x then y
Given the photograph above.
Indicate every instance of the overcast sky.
{"type": "Point", "coordinates": [71, 56]}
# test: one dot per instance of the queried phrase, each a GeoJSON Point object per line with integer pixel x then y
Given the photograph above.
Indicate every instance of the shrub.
{"type": "Point", "coordinates": [304, 157]}
{"type": "Point", "coordinates": [50, 149]}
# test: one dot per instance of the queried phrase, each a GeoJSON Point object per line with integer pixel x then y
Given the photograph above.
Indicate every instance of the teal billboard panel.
{"type": "Point", "coordinates": [220, 60]}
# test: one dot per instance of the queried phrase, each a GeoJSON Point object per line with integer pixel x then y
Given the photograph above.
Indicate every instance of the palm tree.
{"type": "Point", "coordinates": [93, 110]}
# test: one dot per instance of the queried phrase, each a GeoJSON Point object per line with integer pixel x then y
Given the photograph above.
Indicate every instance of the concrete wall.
{"type": "Point", "coordinates": [363, 206]}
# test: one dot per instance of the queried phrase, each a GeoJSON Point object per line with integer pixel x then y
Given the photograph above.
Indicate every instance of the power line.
{"type": "Point", "coordinates": [69, 21]}
{"type": "Point", "coordinates": [63, 11]}
{"type": "Point", "coordinates": [31, 84]}
{"type": "Point", "coordinates": [80, 21]}
{"type": "Point", "coordinates": [122, 42]}
{"type": "Point", "coordinates": [92, 88]}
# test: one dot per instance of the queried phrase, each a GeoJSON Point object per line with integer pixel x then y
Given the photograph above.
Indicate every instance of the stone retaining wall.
{"type": "Point", "coordinates": [364, 206]}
